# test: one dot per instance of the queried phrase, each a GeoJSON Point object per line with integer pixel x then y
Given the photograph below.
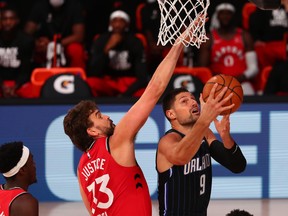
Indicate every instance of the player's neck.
{"type": "Point", "coordinates": [15, 184]}
{"type": "Point", "coordinates": [184, 129]}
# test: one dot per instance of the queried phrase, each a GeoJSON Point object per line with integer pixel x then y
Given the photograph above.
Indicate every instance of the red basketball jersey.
{"type": "Point", "coordinates": [7, 197]}
{"type": "Point", "coordinates": [109, 188]}
{"type": "Point", "coordinates": [228, 56]}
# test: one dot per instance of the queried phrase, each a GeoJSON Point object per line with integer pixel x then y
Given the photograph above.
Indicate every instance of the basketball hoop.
{"type": "Point", "coordinates": [183, 21]}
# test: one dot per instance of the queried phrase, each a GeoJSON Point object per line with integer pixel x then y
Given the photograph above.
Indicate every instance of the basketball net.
{"type": "Point", "coordinates": [183, 21]}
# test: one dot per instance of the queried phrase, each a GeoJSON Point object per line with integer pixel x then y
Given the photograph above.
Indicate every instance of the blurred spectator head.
{"type": "Point", "coordinates": [238, 212]}
{"type": "Point", "coordinates": [9, 19]}
{"type": "Point", "coordinates": [119, 21]}
{"type": "Point", "coordinates": [56, 3]}
{"type": "Point", "coordinates": [225, 14]}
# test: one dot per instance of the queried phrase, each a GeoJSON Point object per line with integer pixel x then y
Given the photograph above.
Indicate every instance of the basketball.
{"type": "Point", "coordinates": [233, 87]}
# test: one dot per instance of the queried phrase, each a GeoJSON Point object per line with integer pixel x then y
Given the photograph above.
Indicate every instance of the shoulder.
{"type": "Point", "coordinates": [26, 204]}
{"type": "Point", "coordinates": [27, 199]}
{"type": "Point", "coordinates": [169, 137]}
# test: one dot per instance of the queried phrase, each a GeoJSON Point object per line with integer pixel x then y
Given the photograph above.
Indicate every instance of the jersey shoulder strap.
{"type": "Point", "coordinates": [181, 134]}
{"type": "Point", "coordinates": [173, 130]}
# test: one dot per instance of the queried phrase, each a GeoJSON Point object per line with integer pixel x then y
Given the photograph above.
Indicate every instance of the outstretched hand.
{"type": "Point", "coordinates": [190, 34]}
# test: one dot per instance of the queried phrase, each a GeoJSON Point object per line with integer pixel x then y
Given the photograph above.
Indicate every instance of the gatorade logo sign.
{"type": "Point", "coordinates": [185, 81]}
{"type": "Point", "coordinates": [64, 84]}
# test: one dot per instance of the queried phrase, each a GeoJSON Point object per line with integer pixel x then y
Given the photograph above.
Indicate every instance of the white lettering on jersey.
{"type": "Point", "coordinates": [119, 60]}
{"type": "Point", "coordinates": [197, 165]}
{"type": "Point", "coordinates": [92, 166]}
{"type": "Point", "coordinates": [102, 214]}
{"type": "Point", "coordinates": [229, 51]}
{"type": "Point", "coordinates": [8, 57]}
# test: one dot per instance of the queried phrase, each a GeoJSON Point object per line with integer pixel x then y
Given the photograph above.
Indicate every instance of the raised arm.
{"type": "Point", "coordinates": [139, 112]}
{"type": "Point", "coordinates": [122, 141]}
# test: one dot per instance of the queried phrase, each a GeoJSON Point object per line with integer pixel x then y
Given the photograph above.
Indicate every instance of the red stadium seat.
{"type": "Point", "coordinates": [203, 73]}
{"type": "Point", "coordinates": [247, 10]}
{"type": "Point", "coordinates": [264, 77]}
{"type": "Point", "coordinates": [40, 75]}
{"type": "Point", "coordinates": [138, 17]}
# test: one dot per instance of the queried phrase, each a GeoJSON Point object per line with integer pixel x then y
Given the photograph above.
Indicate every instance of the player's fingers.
{"type": "Point", "coordinates": [201, 99]}
{"type": "Point", "coordinates": [200, 19]}
{"type": "Point", "coordinates": [221, 94]}
{"type": "Point", "coordinates": [212, 92]}
{"type": "Point", "coordinates": [225, 108]}
{"type": "Point", "coordinates": [225, 99]}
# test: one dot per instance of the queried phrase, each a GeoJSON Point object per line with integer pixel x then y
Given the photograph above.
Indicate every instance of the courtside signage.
{"type": "Point", "coordinates": [260, 130]}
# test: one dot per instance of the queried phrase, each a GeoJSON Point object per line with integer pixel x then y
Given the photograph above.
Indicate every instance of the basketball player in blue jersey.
{"type": "Point", "coordinates": [184, 153]}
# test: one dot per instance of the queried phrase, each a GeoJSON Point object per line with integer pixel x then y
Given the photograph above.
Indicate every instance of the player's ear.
{"type": "Point", "coordinates": [22, 171]}
{"type": "Point", "coordinates": [170, 114]}
{"type": "Point", "coordinates": [92, 131]}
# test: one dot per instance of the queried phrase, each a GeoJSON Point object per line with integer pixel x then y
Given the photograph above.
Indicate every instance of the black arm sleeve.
{"type": "Point", "coordinates": [232, 159]}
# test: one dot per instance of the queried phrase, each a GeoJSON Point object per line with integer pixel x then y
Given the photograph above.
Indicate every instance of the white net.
{"type": "Point", "coordinates": [183, 21]}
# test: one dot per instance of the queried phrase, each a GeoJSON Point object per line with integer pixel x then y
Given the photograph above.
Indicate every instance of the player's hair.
{"type": "Point", "coordinates": [76, 123]}
{"type": "Point", "coordinates": [169, 99]}
{"type": "Point", "coordinates": [238, 212]}
{"type": "Point", "coordinates": [10, 154]}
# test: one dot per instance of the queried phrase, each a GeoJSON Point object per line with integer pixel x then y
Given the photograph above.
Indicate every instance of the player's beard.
{"type": "Point", "coordinates": [110, 130]}
{"type": "Point", "coordinates": [189, 120]}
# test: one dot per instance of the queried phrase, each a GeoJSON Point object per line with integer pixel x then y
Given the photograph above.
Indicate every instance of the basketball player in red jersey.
{"type": "Point", "coordinates": [111, 182]}
{"type": "Point", "coordinates": [230, 50]}
{"type": "Point", "coordinates": [18, 168]}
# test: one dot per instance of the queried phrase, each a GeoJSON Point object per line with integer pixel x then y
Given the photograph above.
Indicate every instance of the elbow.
{"type": "Point", "coordinates": [240, 167]}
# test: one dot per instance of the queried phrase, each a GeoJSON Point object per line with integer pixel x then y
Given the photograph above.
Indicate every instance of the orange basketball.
{"type": "Point", "coordinates": [233, 86]}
